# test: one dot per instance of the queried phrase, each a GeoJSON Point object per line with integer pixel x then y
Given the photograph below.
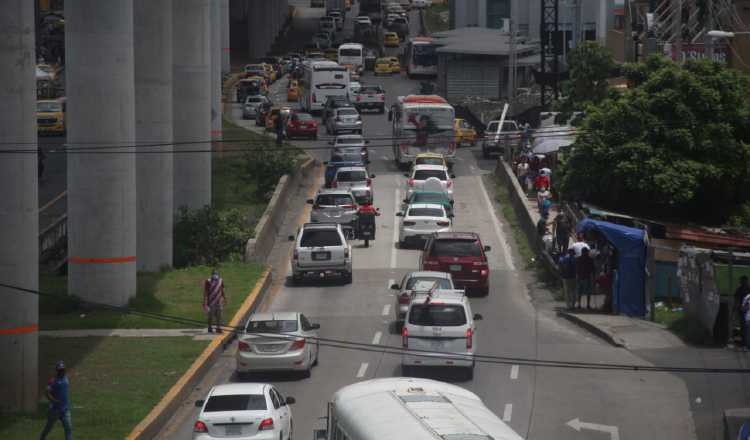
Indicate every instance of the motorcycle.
{"type": "Point", "coordinates": [365, 226]}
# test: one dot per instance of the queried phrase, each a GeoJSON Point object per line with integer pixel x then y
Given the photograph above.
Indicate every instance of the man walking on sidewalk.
{"type": "Point", "coordinates": [214, 300]}
{"type": "Point", "coordinates": [561, 231]}
{"type": "Point", "coordinates": [59, 403]}
{"type": "Point", "coordinates": [584, 277]}
{"type": "Point", "coordinates": [568, 274]}
{"type": "Point", "coordinates": [739, 296]}
{"type": "Point", "coordinates": [746, 312]}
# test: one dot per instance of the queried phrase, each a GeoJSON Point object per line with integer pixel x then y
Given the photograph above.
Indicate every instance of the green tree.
{"type": "Point", "coordinates": [208, 236]}
{"type": "Point", "coordinates": [590, 66]}
{"type": "Point", "coordinates": [673, 146]}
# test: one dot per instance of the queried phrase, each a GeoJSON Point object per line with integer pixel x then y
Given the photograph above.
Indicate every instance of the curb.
{"type": "Point", "coordinates": [616, 342]}
{"type": "Point", "coordinates": [150, 426]}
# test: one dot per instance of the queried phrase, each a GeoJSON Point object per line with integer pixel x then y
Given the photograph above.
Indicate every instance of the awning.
{"type": "Point", "coordinates": [551, 145]}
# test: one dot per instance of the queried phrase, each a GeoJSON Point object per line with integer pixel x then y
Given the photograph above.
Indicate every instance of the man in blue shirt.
{"type": "Point", "coordinates": [59, 403]}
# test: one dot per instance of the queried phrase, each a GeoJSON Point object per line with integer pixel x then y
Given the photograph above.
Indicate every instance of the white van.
{"type": "Point", "coordinates": [439, 331]}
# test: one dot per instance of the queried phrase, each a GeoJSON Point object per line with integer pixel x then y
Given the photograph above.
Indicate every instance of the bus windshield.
{"type": "Point", "coordinates": [428, 119]}
{"type": "Point", "coordinates": [350, 52]}
{"type": "Point", "coordinates": [425, 55]}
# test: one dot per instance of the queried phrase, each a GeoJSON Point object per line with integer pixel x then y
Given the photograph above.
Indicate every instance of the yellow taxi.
{"type": "Point", "coordinates": [430, 159]}
{"type": "Point", "coordinates": [292, 92]}
{"type": "Point", "coordinates": [50, 116]}
{"type": "Point", "coordinates": [390, 39]}
{"type": "Point", "coordinates": [275, 113]}
{"type": "Point", "coordinates": [331, 54]}
{"type": "Point", "coordinates": [387, 65]}
{"type": "Point", "coordinates": [270, 71]}
{"type": "Point", "coordinates": [465, 133]}
{"type": "Point", "coordinates": [395, 65]}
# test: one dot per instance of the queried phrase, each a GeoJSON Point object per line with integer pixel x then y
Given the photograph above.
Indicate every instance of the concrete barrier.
{"type": "Point", "coordinates": [258, 249]}
{"type": "Point", "coordinates": [152, 424]}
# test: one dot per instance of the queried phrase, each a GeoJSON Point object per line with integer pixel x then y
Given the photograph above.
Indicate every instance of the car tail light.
{"type": "Point", "coordinates": [484, 272]}
{"type": "Point", "coordinates": [479, 263]}
{"type": "Point", "coordinates": [449, 183]}
{"type": "Point", "coordinates": [410, 182]}
{"type": "Point", "coordinates": [382, 98]}
{"type": "Point", "coordinates": [265, 424]}
{"type": "Point", "coordinates": [469, 338]}
{"type": "Point", "coordinates": [405, 337]}
{"type": "Point", "coordinates": [348, 206]}
{"type": "Point", "coordinates": [243, 346]}
{"type": "Point", "coordinates": [369, 182]}
{"type": "Point", "coordinates": [200, 427]}
{"type": "Point", "coordinates": [443, 223]}
{"type": "Point", "coordinates": [334, 184]}
{"type": "Point", "coordinates": [409, 223]}
{"type": "Point", "coordinates": [298, 344]}
{"type": "Point", "coordinates": [403, 298]}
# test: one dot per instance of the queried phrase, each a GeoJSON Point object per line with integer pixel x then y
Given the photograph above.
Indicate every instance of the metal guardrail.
{"type": "Point", "coordinates": [53, 238]}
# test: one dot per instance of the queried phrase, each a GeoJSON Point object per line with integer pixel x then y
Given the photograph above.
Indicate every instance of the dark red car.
{"type": "Point", "coordinates": [301, 125]}
{"type": "Point", "coordinates": [460, 254]}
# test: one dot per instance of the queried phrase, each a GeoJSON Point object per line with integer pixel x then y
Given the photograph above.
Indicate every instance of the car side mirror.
{"type": "Point", "coordinates": [199, 403]}
{"type": "Point", "coordinates": [453, 176]}
{"type": "Point", "coordinates": [395, 286]}
{"type": "Point", "coordinates": [478, 317]}
{"type": "Point", "coordinates": [406, 200]}
{"type": "Point", "coordinates": [310, 201]}
{"type": "Point", "coordinates": [399, 214]}
{"type": "Point", "coordinates": [290, 400]}
{"type": "Point", "coordinates": [451, 215]}
{"type": "Point", "coordinates": [291, 238]}
{"type": "Point", "coordinates": [487, 248]}
{"type": "Point", "coordinates": [452, 202]}
{"type": "Point", "coordinates": [315, 326]}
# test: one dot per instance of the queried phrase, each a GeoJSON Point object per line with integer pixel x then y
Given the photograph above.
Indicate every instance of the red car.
{"type": "Point", "coordinates": [460, 254]}
{"type": "Point", "coordinates": [301, 125]}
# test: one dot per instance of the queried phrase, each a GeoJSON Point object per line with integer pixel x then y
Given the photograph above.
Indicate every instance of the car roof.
{"type": "Point", "coordinates": [354, 168]}
{"type": "Point", "coordinates": [430, 167]}
{"type": "Point", "coordinates": [333, 191]}
{"type": "Point", "coordinates": [320, 226]}
{"type": "Point", "coordinates": [345, 107]}
{"type": "Point", "coordinates": [427, 206]}
{"type": "Point", "coordinates": [350, 136]}
{"type": "Point", "coordinates": [275, 316]}
{"type": "Point", "coordinates": [456, 236]}
{"type": "Point", "coordinates": [229, 389]}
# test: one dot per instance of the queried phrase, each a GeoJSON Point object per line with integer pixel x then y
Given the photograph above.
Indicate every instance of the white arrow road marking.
{"type": "Point", "coordinates": [496, 224]}
{"type": "Point", "coordinates": [362, 369]}
{"type": "Point", "coordinates": [507, 412]}
{"type": "Point", "coordinates": [391, 281]}
{"type": "Point", "coordinates": [386, 309]}
{"type": "Point", "coordinates": [613, 431]}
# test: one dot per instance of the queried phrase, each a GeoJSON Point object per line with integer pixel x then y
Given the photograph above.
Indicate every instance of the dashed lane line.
{"type": "Point", "coordinates": [376, 338]}
{"type": "Point", "coordinates": [386, 309]}
{"type": "Point", "coordinates": [394, 251]}
{"type": "Point", "coordinates": [362, 369]}
{"type": "Point", "coordinates": [507, 412]}
{"type": "Point", "coordinates": [514, 372]}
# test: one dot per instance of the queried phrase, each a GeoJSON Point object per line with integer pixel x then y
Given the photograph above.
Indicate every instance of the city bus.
{"type": "Point", "coordinates": [352, 55]}
{"type": "Point", "coordinates": [410, 408]}
{"type": "Point", "coordinates": [422, 124]}
{"type": "Point", "coordinates": [320, 80]}
{"type": "Point", "coordinates": [420, 57]}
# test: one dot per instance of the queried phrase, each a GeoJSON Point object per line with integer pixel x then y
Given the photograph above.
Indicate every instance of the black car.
{"type": "Point", "coordinates": [333, 103]}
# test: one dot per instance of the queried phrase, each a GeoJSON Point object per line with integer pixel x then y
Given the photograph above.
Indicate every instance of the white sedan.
{"type": "Point", "coordinates": [422, 220]}
{"type": "Point", "coordinates": [429, 178]}
{"type": "Point", "coordinates": [244, 410]}
{"type": "Point", "coordinates": [281, 341]}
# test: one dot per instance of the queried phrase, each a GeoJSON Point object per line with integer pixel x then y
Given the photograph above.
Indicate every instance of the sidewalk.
{"type": "Point", "coordinates": [623, 331]}
{"type": "Point", "coordinates": [198, 334]}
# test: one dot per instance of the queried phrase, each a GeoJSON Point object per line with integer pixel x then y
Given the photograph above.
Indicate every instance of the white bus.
{"type": "Point", "coordinates": [422, 124]}
{"type": "Point", "coordinates": [352, 55]}
{"type": "Point", "coordinates": [320, 80]}
{"type": "Point", "coordinates": [409, 408]}
{"type": "Point", "coordinates": [421, 57]}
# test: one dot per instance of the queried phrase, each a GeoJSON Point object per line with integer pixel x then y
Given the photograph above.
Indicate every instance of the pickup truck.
{"type": "Point", "coordinates": [497, 138]}
{"type": "Point", "coordinates": [370, 97]}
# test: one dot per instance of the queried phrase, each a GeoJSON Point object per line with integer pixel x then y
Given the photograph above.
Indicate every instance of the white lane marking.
{"type": "Point", "coordinates": [507, 412]}
{"type": "Point", "coordinates": [384, 157]}
{"type": "Point", "coordinates": [472, 168]}
{"type": "Point", "coordinates": [362, 369]}
{"type": "Point", "coordinates": [376, 338]}
{"type": "Point", "coordinates": [496, 224]}
{"type": "Point", "coordinates": [386, 309]}
{"type": "Point", "coordinates": [613, 431]}
{"type": "Point", "coordinates": [396, 206]}
{"type": "Point", "coordinates": [514, 372]}
{"type": "Point", "coordinates": [391, 282]}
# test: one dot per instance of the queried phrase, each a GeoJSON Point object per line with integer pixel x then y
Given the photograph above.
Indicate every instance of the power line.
{"type": "Point", "coordinates": [365, 347]}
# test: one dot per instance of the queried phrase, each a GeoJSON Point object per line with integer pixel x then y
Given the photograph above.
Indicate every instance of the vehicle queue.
{"type": "Point", "coordinates": [432, 306]}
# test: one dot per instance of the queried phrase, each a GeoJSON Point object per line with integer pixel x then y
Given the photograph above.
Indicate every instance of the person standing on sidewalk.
{"type": "Point", "coordinates": [739, 295]}
{"type": "Point", "coordinates": [561, 231]}
{"type": "Point", "coordinates": [568, 274]}
{"type": "Point", "coordinates": [746, 312]}
{"type": "Point", "coordinates": [214, 300]}
{"type": "Point", "coordinates": [584, 277]}
{"type": "Point", "coordinates": [59, 403]}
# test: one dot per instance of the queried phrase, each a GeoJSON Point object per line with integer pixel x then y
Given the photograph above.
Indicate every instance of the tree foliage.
{"type": "Point", "coordinates": [266, 165]}
{"type": "Point", "coordinates": [590, 66]}
{"type": "Point", "coordinates": [208, 236]}
{"type": "Point", "coordinates": [675, 145]}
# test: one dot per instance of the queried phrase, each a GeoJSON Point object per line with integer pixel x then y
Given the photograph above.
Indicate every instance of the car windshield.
{"type": "Point", "coordinates": [48, 107]}
{"type": "Point", "coordinates": [320, 237]}
{"type": "Point", "coordinates": [348, 150]}
{"type": "Point", "coordinates": [303, 116]}
{"type": "Point", "coordinates": [443, 315]}
{"type": "Point", "coordinates": [351, 176]}
{"type": "Point", "coordinates": [334, 200]}
{"type": "Point", "coordinates": [426, 174]}
{"type": "Point", "coordinates": [346, 157]}
{"type": "Point", "coordinates": [272, 326]}
{"type": "Point", "coordinates": [348, 112]}
{"type": "Point", "coordinates": [418, 282]}
{"type": "Point", "coordinates": [236, 402]}
{"type": "Point", "coordinates": [425, 212]}
{"type": "Point", "coordinates": [349, 141]}
{"type": "Point", "coordinates": [430, 161]}
{"type": "Point", "coordinates": [456, 248]}
{"type": "Point", "coordinates": [429, 198]}
{"type": "Point", "coordinates": [430, 119]}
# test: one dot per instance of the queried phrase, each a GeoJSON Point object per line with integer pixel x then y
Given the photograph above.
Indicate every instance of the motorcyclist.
{"type": "Point", "coordinates": [366, 209]}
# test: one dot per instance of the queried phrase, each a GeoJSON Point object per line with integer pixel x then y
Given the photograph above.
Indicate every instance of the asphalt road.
{"type": "Point", "coordinates": [537, 402]}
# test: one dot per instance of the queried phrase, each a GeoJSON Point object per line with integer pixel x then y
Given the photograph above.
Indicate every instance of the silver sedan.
{"type": "Point", "coordinates": [344, 119]}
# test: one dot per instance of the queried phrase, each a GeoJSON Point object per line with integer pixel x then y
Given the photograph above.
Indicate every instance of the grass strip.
{"type": "Point", "coordinates": [114, 383]}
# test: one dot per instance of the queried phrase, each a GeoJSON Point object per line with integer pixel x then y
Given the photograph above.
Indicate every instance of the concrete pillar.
{"type": "Point", "coordinates": [192, 103]}
{"type": "Point", "coordinates": [216, 58]}
{"type": "Point", "coordinates": [255, 28]}
{"type": "Point", "coordinates": [226, 66]}
{"type": "Point", "coordinates": [19, 219]}
{"type": "Point", "coordinates": [100, 89]}
{"type": "Point", "coordinates": [153, 125]}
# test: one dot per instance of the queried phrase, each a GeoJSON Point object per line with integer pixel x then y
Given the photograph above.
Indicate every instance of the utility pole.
{"type": "Point", "coordinates": [709, 40]}
{"type": "Point", "coordinates": [512, 55]}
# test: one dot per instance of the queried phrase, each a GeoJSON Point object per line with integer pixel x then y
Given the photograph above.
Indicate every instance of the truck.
{"type": "Point", "coordinates": [373, 9]}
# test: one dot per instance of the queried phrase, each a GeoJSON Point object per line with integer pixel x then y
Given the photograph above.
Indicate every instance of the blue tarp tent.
{"type": "Point", "coordinates": [628, 296]}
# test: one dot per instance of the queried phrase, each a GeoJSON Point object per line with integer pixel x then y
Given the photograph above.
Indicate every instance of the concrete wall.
{"type": "Point", "coordinates": [255, 25]}
{"type": "Point", "coordinates": [19, 219]}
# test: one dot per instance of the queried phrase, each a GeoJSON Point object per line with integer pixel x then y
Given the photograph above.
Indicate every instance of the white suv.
{"type": "Point", "coordinates": [439, 328]}
{"type": "Point", "coordinates": [321, 251]}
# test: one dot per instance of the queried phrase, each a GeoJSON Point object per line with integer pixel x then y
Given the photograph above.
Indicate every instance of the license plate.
{"type": "Point", "coordinates": [321, 256]}
{"type": "Point", "coordinates": [233, 430]}
{"type": "Point", "coordinates": [455, 267]}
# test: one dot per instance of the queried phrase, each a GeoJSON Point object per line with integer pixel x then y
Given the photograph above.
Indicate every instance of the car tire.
{"type": "Point", "coordinates": [317, 355]}
{"type": "Point", "coordinates": [307, 373]}
{"type": "Point", "coordinates": [348, 278]}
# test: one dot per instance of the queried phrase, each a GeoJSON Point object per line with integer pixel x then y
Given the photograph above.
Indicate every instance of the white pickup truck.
{"type": "Point", "coordinates": [497, 138]}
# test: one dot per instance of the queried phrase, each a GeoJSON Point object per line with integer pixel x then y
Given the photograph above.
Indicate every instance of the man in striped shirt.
{"type": "Point", "coordinates": [214, 300]}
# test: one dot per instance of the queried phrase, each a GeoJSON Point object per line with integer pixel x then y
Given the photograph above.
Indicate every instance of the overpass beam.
{"type": "Point", "coordinates": [216, 60]}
